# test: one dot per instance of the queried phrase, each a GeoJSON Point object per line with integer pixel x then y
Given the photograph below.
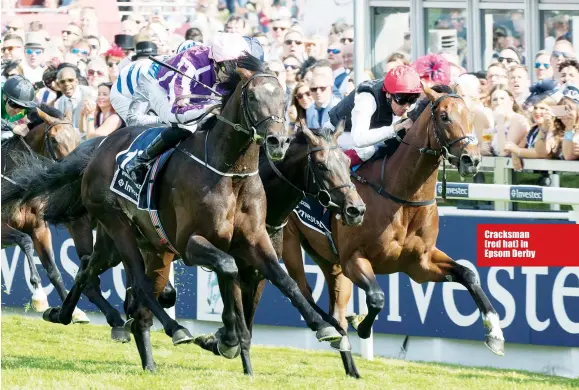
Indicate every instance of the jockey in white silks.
{"type": "Point", "coordinates": [161, 87]}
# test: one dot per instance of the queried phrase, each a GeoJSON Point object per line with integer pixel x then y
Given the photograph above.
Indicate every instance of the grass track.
{"type": "Point", "coordinates": [39, 355]}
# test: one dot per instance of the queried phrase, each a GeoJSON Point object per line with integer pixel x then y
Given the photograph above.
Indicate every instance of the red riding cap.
{"type": "Point", "coordinates": [402, 79]}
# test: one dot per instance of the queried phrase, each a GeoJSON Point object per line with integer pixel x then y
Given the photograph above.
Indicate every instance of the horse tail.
{"type": "Point", "coordinates": [57, 185]}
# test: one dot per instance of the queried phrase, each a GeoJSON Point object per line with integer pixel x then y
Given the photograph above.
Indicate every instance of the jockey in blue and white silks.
{"type": "Point", "coordinates": [161, 87]}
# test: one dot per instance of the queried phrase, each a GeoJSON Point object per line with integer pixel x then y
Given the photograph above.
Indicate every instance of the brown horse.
{"type": "Point", "coordinates": [54, 137]}
{"type": "Point", "coordinates": [399, 234]}
{"type": "Point", "coordinates": [213, 212]}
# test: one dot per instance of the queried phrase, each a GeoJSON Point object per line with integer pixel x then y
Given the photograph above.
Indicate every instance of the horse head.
{"type": "Point", "coordinates": [60, 137]}
{"type": "Point", "coordinates": [453, 131]}
{"type": "Point", "coordinates": [262, 101]}
{"type": "Point", "coordinates": [328, 174]}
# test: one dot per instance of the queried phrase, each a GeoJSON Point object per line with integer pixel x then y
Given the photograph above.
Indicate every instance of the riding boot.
{"type": "Point", "coordinates": [138, 166]}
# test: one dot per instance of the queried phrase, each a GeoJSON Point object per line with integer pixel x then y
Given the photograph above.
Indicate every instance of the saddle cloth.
{"type": "Point", "coordinates": [143, 195]}
{"type": "Point", "coordinates": [313, 215]}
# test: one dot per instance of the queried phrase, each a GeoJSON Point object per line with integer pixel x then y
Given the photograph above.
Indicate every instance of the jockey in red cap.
{"type": "Point", "coordinates": [371, 110]}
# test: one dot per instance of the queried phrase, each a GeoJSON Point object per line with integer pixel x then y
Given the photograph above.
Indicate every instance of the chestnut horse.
{"type": "Point", "coordinates": [399, 234]}
{"type": "Point", "coordinates": [212, 208]}
{"type": "Point", "coordinates": [53, 138]}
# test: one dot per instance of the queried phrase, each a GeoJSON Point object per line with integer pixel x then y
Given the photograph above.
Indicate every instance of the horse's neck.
{"type": "Point", "coordinates": [35, 138]}
{"type": "Point", "coordinates": [282, 198]}
{"type": "Point", "coordinates": [409, 174]}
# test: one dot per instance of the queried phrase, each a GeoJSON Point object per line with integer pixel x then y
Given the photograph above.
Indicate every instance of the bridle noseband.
{"type": "Point", "coordinates": [323, 195]}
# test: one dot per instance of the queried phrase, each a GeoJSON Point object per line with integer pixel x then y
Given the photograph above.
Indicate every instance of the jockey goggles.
{"type": "Point", "coordinates": [403, 99]}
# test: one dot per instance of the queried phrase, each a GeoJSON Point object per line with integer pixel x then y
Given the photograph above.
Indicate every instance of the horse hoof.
{"type": "Point", "coordinates": [39, 301]}
{"type": "Point", "coordinates": [355, 320]}
{"type": "Point", "coordinates": [79, 317]}
{"type": "Point", "coordinates": [51, 315]}
{"type": "Point", "coordinates": [497, 346]}
{"type": "Point", "coordinates": [182, 336]}
{"type": "Point", "coordinates": [228, 352]}
{"type": "Point", "coordinates": [328, 333]}
{"type": "Point", "coordinates": [120, 334]}
{"type": "Point", "coordinates": [342, 345]}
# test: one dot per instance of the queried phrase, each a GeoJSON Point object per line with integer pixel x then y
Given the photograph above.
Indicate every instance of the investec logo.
{"type": "Point", "coordinates": [453, 190]}
{"type": "Point", "coordinates": [534, 194]}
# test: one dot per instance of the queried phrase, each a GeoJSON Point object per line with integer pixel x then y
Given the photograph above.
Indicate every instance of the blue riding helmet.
{"type": "Point", "coordinates": [255, 48]}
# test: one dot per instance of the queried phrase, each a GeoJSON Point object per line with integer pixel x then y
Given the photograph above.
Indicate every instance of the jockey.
{"type": "Point", "coordinates": [162, 87]}
{"type": "Point", "coordinates": [371, 111]}
{"type": "Point", "coordinates": [17, 104]}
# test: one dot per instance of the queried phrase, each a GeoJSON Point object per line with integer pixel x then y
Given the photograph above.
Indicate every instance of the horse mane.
{"type": "Point", "coordinates": [248, 62]}
{"type": "Point", "coordinates": [51, 111]}
{"type": "Point", "coordinates": [423, 103]}
{"type": "Point", "coordinates": [324, 133]}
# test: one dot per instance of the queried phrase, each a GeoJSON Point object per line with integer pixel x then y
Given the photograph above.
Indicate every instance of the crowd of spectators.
{"type": "Point", "coordinates": [512, 117]}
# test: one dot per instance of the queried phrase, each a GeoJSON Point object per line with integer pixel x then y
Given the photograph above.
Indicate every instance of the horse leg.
{"type": "Point", "coordinates": [252, 285]}
{"type": "Point", "coordinates": [81, 231]}
{"type": "Point", "coordinates": [201, 252]}
{"type": "Point", "coordinates": [359, 270]}
{"type": "Point", "coordinates": [11, 236]}
{"type": "Point", "coordinates": [140, 328]}
{"type": "Point", "coordinates": [158, 268]}
{"type": "Point", "coordinates": [451, 271]}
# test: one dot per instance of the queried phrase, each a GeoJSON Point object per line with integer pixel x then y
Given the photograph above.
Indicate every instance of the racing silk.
{"type": "Point", "coordinates": [195, 63]}
{"type": "Point", "coordinates": [130, 75]}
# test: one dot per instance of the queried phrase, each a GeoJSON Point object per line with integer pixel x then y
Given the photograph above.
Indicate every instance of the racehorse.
{"type": "Point", "coordinates": [53, 138]}
{"type": "Point", "coordinates": [399, 235]}
{"type": "Point", "coordinates": [212, 215]}
{"type": "Point", "coordinates": [314, 165]}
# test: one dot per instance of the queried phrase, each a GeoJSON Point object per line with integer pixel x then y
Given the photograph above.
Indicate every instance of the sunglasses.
{"type": "Point", "coordinates": [291, 41]}
{"type": "Point", "coordinates": [302, 95]}
{"type": "Point", "coordinates": [292, 67]}
{"type": "Point", "coordinates": [66, 81]}
{"type": "Point", "coordinates": [112, 64]}
{"type": "Point", "coordinates": [11, 28]}
{"type": "Point", "coordinates": [67, 32]}
{"type": "Point", "coordinates": [92, 72]}
{"type": "Point", "coordinates": [10, 48]}
{"type": "Point", "coordinates": [403, 99]}
{"type": "Point", "coordinates": [14, 105]}
{"type": "Point", "coordinates": [509, 60]}
{"type": "Point", "coordinates": [334, 51]}
{"type": "Point", "coordinates": [32, 51]}
{"type": "Point", "coordinates": [346, 40]}
{"type": "Point", "coordinates": [94, 47]}
{"type": "Point", "coordinates": [279, 28]}
{"type": "Point", "coordinates": [318, 89]}
{"type": "Point", "coordinates": [78, 51]}
{"type": "Point", "coordinates": [538, 65]}
{"type": "Point", "coordinates": [560, 54]}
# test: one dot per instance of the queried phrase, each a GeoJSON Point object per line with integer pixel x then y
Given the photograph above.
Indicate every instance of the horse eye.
{"type": "Point", "coordinates": [444, 117]}
{"type": "Point", "coordinates": [322, 167]}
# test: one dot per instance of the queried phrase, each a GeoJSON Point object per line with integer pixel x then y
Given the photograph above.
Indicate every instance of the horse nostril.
{"type": "Point", "coordinates": [466, 160]}
{"type": "Point", "coordinates": [353, 211]}
{"type": "Point", "coordinates": [273, 141]}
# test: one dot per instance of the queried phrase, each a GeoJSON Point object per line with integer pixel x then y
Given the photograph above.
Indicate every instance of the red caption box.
{"type": "Point", "coordinates": [551, 245]}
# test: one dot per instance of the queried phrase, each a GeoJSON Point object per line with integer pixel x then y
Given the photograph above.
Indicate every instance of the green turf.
{"type": "Point", "coordinates": [38, 355]}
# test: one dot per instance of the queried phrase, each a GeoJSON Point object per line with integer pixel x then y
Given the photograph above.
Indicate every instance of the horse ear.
{"type": "Point", "coordinates": [312, 138]}
{"type": "Point", "coordinates": [68, 114]}
{"type": "Point", "coordinates": [44, 116]}
{"type": "Point", "coordinates": [430, 93]}
{"type": "Point", "coordinates": [339, 129]}
{"type": "Point", "coordinates": [244, 73]}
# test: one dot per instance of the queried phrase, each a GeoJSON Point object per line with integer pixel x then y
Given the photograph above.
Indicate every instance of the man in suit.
{"type": "Point", "coordinates": [324, 101]}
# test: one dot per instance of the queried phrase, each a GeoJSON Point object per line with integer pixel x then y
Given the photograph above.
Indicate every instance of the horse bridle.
{"type": "Point", "coordinates": [323, 195]}
{"type": "Point", "coordinates": [47, 144]}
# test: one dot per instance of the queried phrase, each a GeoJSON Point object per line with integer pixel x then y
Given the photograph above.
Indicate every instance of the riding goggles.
{"type": "Point", "coordinates": [403, 99]}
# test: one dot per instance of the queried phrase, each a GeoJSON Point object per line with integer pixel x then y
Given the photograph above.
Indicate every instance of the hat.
{"type": "Point", "coordinates": [541, 91]}
{"type": "Point", "coordinates": [433, 67]}
{"type": "Point", "coordinates": [125, 41]}
{"type": "Point", "coordinates": [145, 49]}
{"type": "Point", "coordinates": [35, 39]}
{"type": "Point", "coordinates": [571, 92]}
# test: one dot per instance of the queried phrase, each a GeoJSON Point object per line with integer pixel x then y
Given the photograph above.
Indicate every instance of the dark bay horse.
{"type": "Point", "coordinates": [212, 213]}
{"type": "Point", "coordinates": [400, 232]}
{"type": "Point", "coordinates": [314, 165]}
{"type": "Point", "coordinates": [54, 137]}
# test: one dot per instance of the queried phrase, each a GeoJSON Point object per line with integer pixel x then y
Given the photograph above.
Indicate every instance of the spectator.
{"type": "Point", "coordinates": [497, 74]}
{"type": "Point", "coordinates": [264, 42]}
{"type": "Point", "coordinates": [324, 67]}
{"type": "Point", "coordinates": [396, 59]}
{"type": "Point", "coordinates": [194, 34]}
{"type": "Point", "coordinates": [97, 72]}
{"type": "Point", "coordinates": [291, 64]}
{"type": "Point", "coordinates": [279, 27]}
{"type": "Point", "coordinates": [569, 72]}
{"type": "Point", "coordinates": [73, 94]}
{"type": "Point", "coordinates": [12, 48]}
{"type": "Point", "coordinates": [129, 27]}
{"type": "Point", "coordinates": [79, 53]}
{"type": "Point", "coordinates": [71, 34]}
{"type": "Point", "coordinates": [236, 24]}
{"type": "Point", "coordinates": [340, 74]}
{"type": "Point", "coordinates": [315, 47]}
{"type": "Point", "coordinates": [34, 53]}
{"type": "Point", "coordinates": [300, 102]}
{"type": "Point", "coordinates": [15, 26]}
{"type": "Point", "coordinates": [336, 31]}
{"type": "Point", "coordinates": [112, 58]}
{"type": "Point", "coordinates": [543, 68]}
{"type": "Point", "coordinates": [126, 43]}
{"type": "Point", "coordinates": [50, 92]}
{"type": "Point", "coordinates": [11, 69]}
{"type": "Point", "coordinates": [519, 83]}
{"type": "Point", "coordinates": [324, 101]}
{"type": "Point", "coordinates": [95, 45]}
{"type": "Point", "coordinates": [509, 124]}
{"type": "Point", "coordinates": [348, 56]}
{"type": "Point", "coordinates": [100, 119]}
{"type": "Point", "coordinates": [569, 123]}
{"type": "Point", "coordinates": [347, 37]}
{"type": "Point", "coordinates": [293, 44]}
{"type": "Point", "coordinates": [562, 51]}
{"type": "Point", "coordinates": [468, 86]}
{"type": "Point", "coordinates": [509, 57]}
